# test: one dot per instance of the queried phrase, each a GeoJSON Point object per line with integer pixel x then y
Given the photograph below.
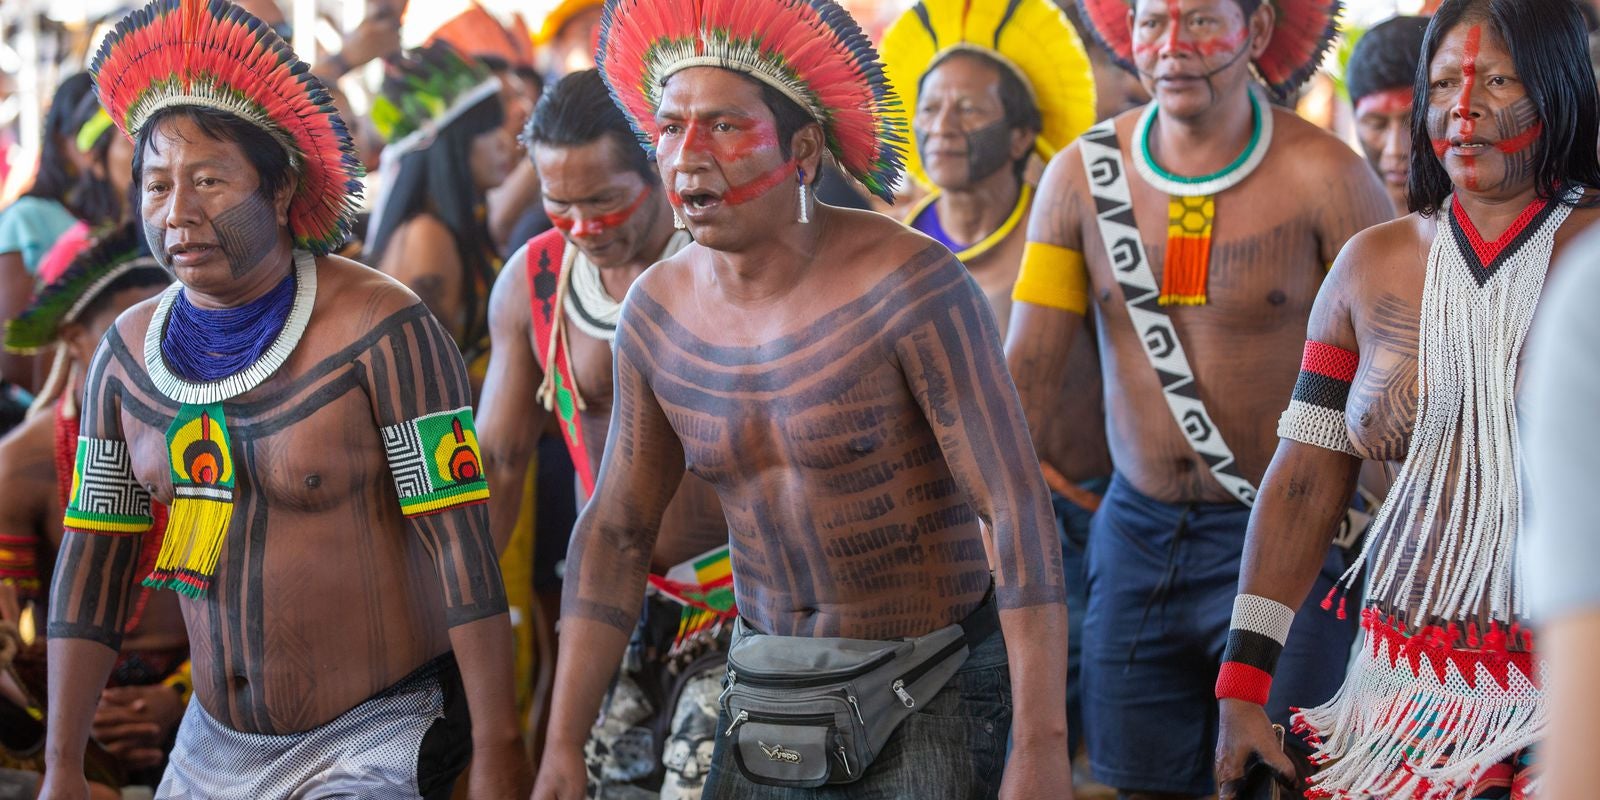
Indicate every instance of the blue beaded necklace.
{"type": "Point", "coordinates": [205, 344]}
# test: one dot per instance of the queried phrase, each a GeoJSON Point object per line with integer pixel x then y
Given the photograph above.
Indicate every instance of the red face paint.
{"type": "Point", "coordinates": [1469, 76]}
{"type": "Point", "coordinates": [750, 190]}
{"type": "Point", "coordinates": [597, 225]}
{"type": "Point", "coordinates": [1521, 141]}
{"type": "Point", "coordinates": [1206, 48]}
{"type": "Point", "coordinates": [1385, 103]}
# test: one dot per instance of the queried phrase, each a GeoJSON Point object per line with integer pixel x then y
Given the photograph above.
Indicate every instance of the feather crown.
{"type": "Point", "coordinates": [213, 54]}
{"type": "Point", "coordinates": [810, 50]}
{"type": "Point", "coordinates": [426, 89]}
{"type": "Point", "coordinates": [1032, 38]}
{"type": "Point", "coordinates": [1302, 34]}
{"type": "Point", "coordinates": [476, 32]}
{"type": "Point", "coordinates": [96, 265]}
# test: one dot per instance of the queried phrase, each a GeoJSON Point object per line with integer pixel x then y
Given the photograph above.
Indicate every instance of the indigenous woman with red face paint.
{"type": "Point", "coordinates": [554, 317]}
{"type": "Point", "coordinates": [838, 380]}
{"type": "Point", "coordinates": [1413, 360]}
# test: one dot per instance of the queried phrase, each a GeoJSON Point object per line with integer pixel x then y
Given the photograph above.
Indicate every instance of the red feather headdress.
{"type": "Point", "coordinates": [810, 50]}
{"type": "Point", "coordinates": [1302, 34]}
{"type": "Point", "coordinates": [212, 53]}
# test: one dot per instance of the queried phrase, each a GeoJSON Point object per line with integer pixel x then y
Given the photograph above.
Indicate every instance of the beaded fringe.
{"type": "Point", "coordinates": [1187, 263]}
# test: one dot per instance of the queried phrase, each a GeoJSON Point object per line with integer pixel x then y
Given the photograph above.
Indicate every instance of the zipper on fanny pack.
{"type": "Point", "coordinates": [744, 716]}
{"type": "Point", "coordinates": [839, 749]}
{"type": "Point", "coordinates": [769, 680]}
{"type": "Point", "coordinates": [913, 674]}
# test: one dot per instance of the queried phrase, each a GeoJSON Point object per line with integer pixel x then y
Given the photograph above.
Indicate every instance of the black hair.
{"type": "Point", "coordinates": [578, 110]}
{"type": "Point", "coordinates": [1386, 57]}
{"type": "Point", "coordinates": [136, 278]}
{"type": "Point", "coordinates": [94, 199]}
{"type": "Point", "coordinates": [269, 159]}
{"type": "Point", "coordinates": [1549, 46]}
{"type": "Point", "coordinates": [530, 76]}
{"type": "Point", "coordinates": [437, 180]}
{"type": "Point", "coordinates": [789, 117]}
{"type": "Point", "coordinates": [54, 179]}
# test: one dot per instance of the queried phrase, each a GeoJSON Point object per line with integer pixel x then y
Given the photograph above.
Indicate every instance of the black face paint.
{"type": "Point", "coordinates": [246, 233]}
{"type": "Point", "coordinates": [156, 237]}
{"type": "Point", "coordinates": [988, 150]}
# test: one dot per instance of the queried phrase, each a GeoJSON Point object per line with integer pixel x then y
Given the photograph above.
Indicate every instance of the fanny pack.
{"type": "Point", "coordinates": [804, 711]}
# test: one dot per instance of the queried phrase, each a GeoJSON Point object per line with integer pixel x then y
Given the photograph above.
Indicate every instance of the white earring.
{"type": "Point", "coordinates": [805, 197]}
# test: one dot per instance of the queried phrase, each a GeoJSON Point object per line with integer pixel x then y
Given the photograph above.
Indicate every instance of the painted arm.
{"type": "Point", "coordinates": [16, 291]}
{"type": "Point", "coordinates": [509, 413]}
{"type": "Point", "coordinates": [1349, 200]}
{"type": "Point", "coordinates": [1050, 298]}
{"type": "Point", "coordinates": [608, 559]}
{"type": "Point", "coordinates": [422, 255]}
{"type": "Point", "coordinates": [1296, 515]}
{"type": "Point", "coordinates": [949, 350]}
{"type": "Point", "coordinates": [93, 582]}
{"type": "Point", "coordinates": [423, 406]}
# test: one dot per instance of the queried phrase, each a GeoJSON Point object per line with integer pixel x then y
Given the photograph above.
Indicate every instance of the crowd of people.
{"type": "Point", "coordinates": [698, 398]}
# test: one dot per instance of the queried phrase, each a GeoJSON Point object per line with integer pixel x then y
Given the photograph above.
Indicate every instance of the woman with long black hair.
{"type": "Point", "coordinates": [445, 121]}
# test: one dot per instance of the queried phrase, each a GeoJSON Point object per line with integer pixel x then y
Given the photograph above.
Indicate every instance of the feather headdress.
{"type": "Point", "coordinates": [1032, 38]}
{"type": "Point", "coordinates": [96, 265]}
{"type": "Point", "coordinates": [810, 50]}
{"type": "Point", "coordinates": [559, 17]}
{"type": "Point", "coordinates": [212, 53]}
{"type": "Point", "coordinates": [478, 33]}
{"type": "Point", "coordinates": [1302, 34]}
{"type": "Point", "coordinates": [425, 90]}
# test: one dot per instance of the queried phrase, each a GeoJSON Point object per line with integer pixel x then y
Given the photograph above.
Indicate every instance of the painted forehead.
{"type": "Point", "coordinates": [1167, 7]}
{"type": "Point", "coordinates": [1475, 39]}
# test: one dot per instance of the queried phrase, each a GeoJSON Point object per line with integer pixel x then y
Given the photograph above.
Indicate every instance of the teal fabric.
{"type": "Point", "coordinates": [30, 226]}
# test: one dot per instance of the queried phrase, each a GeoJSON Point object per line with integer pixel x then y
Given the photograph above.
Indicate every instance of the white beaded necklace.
{"type": "Point", "coordinates": [1464, 447]}
{"type": "Point", "coordinates": [202, 393]}
{"type": "Point", "coordinates": [589, 305]}
{"type": "Point", "coordinates": [1216, 183]}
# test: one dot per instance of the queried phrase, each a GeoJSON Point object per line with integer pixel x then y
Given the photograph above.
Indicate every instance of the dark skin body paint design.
{"type": "Point", "coordinates": [1235, 45]}
{"type": "Point", "coordinates": [312, 480]}
{"type": "Point", "coordinates": [247, 232]}
{"type": "Point", "coordinates": [871, 509]}
{"type": "Point", "coordinates": [1516, 126]}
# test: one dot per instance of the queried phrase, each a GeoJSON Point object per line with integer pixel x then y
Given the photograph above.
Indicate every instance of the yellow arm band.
{"type": "Point", "coordinates": [1053, 277]}
{"type": "Point", "coordinates": [181, 681]}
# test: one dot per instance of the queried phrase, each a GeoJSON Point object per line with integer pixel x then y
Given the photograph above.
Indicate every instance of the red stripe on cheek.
{"type": "Point", "coordinates": [1521, 141]}
{"type": "Point", "coordinates": [562, 222]}
{"type": "Point", "coordinates": [600, 224]}
{"type": "Point", "coordinates": [745, 192]}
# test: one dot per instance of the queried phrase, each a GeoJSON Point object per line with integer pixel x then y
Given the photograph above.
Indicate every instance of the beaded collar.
{"type": "Point", "coordinates": [1217, 182]}
{"type": "Point", "coordinates": [182, 390]}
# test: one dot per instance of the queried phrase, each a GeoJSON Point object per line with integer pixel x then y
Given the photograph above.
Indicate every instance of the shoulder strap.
{"type": "Point", "coordinates": [1108, 184]}
{"type": "Point", "coordinates": [546, 260]}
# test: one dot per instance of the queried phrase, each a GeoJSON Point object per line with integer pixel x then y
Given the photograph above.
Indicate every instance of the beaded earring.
{"type": "Point", "coordinates": [805, 197]}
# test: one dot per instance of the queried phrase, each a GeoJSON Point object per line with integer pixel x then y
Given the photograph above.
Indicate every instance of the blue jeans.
{"type": "Point", "coordinates": [953, 748]}
{"type": "Point", "coordinates": [1162, 578]}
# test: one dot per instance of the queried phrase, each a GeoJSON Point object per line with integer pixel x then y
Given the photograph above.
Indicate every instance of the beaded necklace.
{"type": "Point", "coordinates": [207, 344]}
{"type": "Point", "coordinates": [1191, 203]}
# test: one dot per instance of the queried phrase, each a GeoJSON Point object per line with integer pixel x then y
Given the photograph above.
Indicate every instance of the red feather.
{"type": "Point", "coordinates": [213, 53]}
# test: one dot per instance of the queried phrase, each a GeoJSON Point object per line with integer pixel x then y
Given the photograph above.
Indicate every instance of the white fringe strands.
{"type": "Point", "coordinates": [1424, 711]}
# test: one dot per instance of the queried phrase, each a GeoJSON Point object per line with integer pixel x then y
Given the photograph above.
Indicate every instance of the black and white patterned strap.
{"type": "Point", "coordinates": [1108, 184]}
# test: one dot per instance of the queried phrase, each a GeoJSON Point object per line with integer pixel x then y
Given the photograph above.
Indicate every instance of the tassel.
{"type": "Point", "coordinates": [1188, 258]}
{"type": "Point", "coordinates": [202, 504]}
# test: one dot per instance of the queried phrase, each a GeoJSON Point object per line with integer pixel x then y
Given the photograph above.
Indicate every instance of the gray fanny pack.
{"type": "Point", "coordinates": [805, 711]}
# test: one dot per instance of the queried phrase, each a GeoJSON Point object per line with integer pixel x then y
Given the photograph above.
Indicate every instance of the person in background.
{"type": "Point", "coordinates": [445, 120]}
{"type": "Point", "coordinates": [1381, 77]}
{"type": "Point", "coordinates": [568, 37]}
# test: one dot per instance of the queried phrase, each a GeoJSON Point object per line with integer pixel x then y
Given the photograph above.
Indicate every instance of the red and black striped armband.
{"type": "Point", "coordinates": [1255, 639]}
{"type": "Point", "coordinates": [1316, 409]}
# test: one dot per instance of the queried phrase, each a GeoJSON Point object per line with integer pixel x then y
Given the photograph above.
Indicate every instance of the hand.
{"type": "Point", "coordinates": [64, 784]}
{"type": "Point", "coordinates": [376, 37]}
{"type": "Point", "coordinates": [1036, 771]}
{"type": "Point", "coordinates": [1244, 730]}
{"type": "Point", "coordinates": [498, 772]}
{"type": "Point", "coordinates": [132, 722]}
{"type": "Point", "coordinates": [562, 773]}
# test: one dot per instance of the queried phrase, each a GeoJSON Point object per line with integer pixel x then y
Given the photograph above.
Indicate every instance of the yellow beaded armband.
{"type": "Point", "coordinates": [1053, 277]}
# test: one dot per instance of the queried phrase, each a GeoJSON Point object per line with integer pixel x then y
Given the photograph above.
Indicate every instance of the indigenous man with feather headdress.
{"type": "Point", "coordinates": [1199, 228]}
{"type": "Point", "coordinates": [838, 380]}
{"type": "Point", "coordinates": [308, 424]}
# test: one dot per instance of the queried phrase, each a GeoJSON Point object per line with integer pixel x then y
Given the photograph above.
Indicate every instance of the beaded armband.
{"type": "Point", "coordinates": [1255, 639]}
{"type": "Point", "coordinates": [1053, 277]}
{"type": "Point", "coordinates": [436, 463]}
{"type": "Point", "coordinates": [106, 498]}
{"type": "Point", "coordinates": [1316, 409]}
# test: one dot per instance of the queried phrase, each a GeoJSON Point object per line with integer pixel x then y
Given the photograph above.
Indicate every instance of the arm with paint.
{"type": "Point", "coordinates": [609, 557]}
{"type": "Point", "coordinates": [106, 518]}
{"type": "Point", "coordinates": [510, 415]}
{"type": "Point", "coordinates": [423, 409]}
{"type": "Point", "coordinates": [1292, 525]}
{"type": "Point", "coordinates": [1051, 295]}
{"type": "Point", "coordinates": [948, 350]}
